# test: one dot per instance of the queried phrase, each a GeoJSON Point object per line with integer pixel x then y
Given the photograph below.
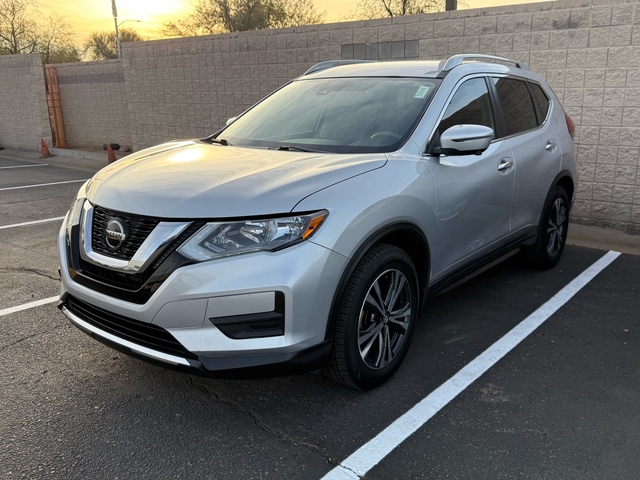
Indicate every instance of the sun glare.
{"type": "Point", "coordinates": [96, 15]}
{"type": "Point", "coordinates": [87, 16]}
{"type": "Point", "coordinates": [152, 8]}
{"type": "Point", "coordinates": [151, 13]}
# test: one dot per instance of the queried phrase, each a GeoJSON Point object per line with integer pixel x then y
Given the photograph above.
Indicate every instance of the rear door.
{"type": "Point", "coordinates": [537, 155]}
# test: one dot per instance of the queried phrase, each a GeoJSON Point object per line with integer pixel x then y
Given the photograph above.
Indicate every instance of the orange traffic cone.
{"type": "Point", "coordinates": [44, 151]}
{"type": "Point", "coordinates": [111, 157]}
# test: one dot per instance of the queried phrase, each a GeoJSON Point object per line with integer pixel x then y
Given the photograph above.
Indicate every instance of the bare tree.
{"type": "Point", "coordinates": [367, 9]}
{"type": "Point", "coordinates": [220, 16]}
{"type": "Point", "coordinates": [55, 42]}
{"type": "Point", "coordinates": [63, 55]}
{"type": "Point", "coordinates": [103, 46]}
{"type": "Point", "coordinates": [185, 27]}
{"type": "Point", "coordinates": [21, 31]}
{"type": "Point", "coordinates": [18, 30]}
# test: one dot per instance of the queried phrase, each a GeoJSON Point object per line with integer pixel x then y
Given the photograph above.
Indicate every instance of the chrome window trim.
{"type": "Point", "coordinates": [453, 91]}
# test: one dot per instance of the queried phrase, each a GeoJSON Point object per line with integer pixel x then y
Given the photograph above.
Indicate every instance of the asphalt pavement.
{"type": "Point", "coordinates": [562, 403]}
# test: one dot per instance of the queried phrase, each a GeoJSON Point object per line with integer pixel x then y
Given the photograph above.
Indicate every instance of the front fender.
{"type": "Point", "coordinates": [394, 205]}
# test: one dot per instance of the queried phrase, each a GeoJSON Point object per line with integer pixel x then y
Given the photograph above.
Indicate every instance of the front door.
{"type": "Point", "coordinates": [473, 192]}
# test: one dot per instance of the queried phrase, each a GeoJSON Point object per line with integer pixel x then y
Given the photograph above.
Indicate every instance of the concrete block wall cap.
{"type": "Point", "coordinates": [502, 10]}
{"type": "Point", "coordinates": [597, 3]}
{"type": "Point", "coordinates": [564, 4]}
{"type": "Point", "coordinates": [406, 19]}
{"type": "Point", "coordinates": [471, 12]}
{"type": "Point", "coordinates": [534, 7]}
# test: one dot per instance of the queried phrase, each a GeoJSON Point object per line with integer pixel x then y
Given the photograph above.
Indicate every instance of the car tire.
{"type": "Point", "coordinates": [375, 319]}
{"type": "Point", "coordinates": [552, 231]}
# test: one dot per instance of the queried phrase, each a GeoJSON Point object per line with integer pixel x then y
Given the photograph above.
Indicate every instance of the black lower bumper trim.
{"type": "Point", "coordinates": [241, 367]}
{"type": "Point", "coordinates": [233, 366]}
{"type": "Point", "coordinates": [269, 364]}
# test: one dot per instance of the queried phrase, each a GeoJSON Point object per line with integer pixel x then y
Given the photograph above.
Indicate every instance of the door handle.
{"type": "Point", "coordinates": [550, 145]}
{"type": "Point", "coordinates": [505, 164]}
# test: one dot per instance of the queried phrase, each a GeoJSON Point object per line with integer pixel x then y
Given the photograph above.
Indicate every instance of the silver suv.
{"type": "Point", "coordinates": [311, 229]}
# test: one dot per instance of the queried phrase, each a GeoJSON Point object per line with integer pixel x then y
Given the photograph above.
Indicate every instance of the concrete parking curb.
{"type": "Point", "coordinates": [603, 239]}
{"type": "Point", "coordinates": [98, 155]}
{"type": "Point", "coordinates": [90, 161]}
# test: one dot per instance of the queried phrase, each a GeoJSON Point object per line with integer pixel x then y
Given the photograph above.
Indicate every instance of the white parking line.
{"type": "Point", "coordinates": [25, 166]}
{"type": "Point", "coordinates": [42, 185]}
{"type": "Point", "coordinates": [26, 306]}
{"type": "Point", "coordinates": [372, 452]}
{"type": "Point", "coordinates": [24, 224]}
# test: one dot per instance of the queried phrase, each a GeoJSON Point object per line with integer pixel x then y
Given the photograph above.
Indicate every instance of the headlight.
{"type": "Point", "coordinates": [221, 239]}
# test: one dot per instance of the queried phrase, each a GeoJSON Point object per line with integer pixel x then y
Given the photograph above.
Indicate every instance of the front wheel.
{"type": "Point", "coordinates": [552, 231]}
{"type": "Point", "coordinates": [375, 319]}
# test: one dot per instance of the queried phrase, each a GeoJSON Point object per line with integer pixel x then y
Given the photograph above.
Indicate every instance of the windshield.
{"type": "Point", "coordinates": [351, 115]}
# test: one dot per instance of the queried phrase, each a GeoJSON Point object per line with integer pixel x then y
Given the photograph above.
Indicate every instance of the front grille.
{"type": "Point", "coordinates": [146, 283]}
{"type": "Point", "coordinates": [140, 333]}
{"type": "Point", "coordinates": [138, 228]}
{"type": "Point", "coordinates": [122, 280]}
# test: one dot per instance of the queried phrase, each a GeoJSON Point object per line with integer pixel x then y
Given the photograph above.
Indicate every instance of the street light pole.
{"type": "Point", "coordinates": [118, 39]}
{"type": "Point", "coordinates": [115, 21]}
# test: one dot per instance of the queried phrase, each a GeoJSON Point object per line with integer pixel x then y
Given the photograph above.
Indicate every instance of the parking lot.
{"type": "Point", "coordinates": [512, 375]}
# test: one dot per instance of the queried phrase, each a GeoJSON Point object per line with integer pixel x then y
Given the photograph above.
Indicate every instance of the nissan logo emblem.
{"type": "Point", "coordinates": [115, 234]}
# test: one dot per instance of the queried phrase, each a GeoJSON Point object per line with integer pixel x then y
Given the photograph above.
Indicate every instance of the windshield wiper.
{"type": "Point", "coordinates": [220, 141]}
{"type": "Point", "coordinates": [291, 148]}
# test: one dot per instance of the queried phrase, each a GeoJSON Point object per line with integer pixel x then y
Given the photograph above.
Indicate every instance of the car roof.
{"type": "Point", "coordinates": [380, 69]}
{"type": "Point", "coordinates": [414, 68]}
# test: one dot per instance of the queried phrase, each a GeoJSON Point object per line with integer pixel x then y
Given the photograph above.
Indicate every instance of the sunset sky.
{"type": "Point", "coordinates": [86, 16]}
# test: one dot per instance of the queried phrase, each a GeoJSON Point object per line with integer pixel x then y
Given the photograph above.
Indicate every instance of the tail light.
{"type": "Point", "coordinates": [570, 125]}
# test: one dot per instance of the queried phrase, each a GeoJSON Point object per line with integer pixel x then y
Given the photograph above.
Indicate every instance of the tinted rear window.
{"type": "Point", "coordinates": [542, 99]}
{"type": "Point", "coordinates": [517, 105]}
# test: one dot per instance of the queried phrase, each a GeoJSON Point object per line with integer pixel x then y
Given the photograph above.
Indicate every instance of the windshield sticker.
{"type": "Point", "coordinates": [422, 92]}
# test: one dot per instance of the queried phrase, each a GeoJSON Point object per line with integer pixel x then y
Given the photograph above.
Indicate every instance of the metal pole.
{"type": "Point", "coordinates": [114, 10]}
{"type": "Point", "coordinates": [115, 19]}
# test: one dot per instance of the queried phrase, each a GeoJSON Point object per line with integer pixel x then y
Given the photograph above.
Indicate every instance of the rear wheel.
{"type": "Point", "coordinates": [552, 231]}
{"type": "Point", "coordinates": [375, 319]}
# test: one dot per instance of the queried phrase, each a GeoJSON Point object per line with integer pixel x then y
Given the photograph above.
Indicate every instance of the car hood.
{"type": "Point", "coordinates": [193, 179]}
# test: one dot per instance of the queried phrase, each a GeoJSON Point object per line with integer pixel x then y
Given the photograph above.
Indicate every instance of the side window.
{"type": "Point", "coordinates": [541, 99]}
{"type": "Point", "coordinates": [517, 105]}
{"type": "Point", "coordinates": [470, 105]}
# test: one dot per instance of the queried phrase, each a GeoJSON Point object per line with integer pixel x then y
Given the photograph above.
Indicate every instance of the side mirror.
{"type": "Point", "coordinates": [230, 121]}
{"type": "Point", "coordinates": [464, 140]}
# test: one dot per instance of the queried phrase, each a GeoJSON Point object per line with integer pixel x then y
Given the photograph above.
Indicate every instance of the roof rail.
{"type": "Point", "coordinates": [456, 60]}
{"type": "Point", "coordinates": [332, 63]}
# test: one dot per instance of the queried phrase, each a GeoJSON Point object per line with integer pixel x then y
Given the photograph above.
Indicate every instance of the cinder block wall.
{"type": "Point", "coordinates": [588, 50]}
{"type": "Point", "coordinates": [24, 117]}
{"type": "Point", "coordinates": [94, 103]}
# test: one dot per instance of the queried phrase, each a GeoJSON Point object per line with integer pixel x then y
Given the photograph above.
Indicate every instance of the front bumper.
{"type": "Point", "coordinates": [194, 297]}
{"type": "Point", "coordinates": [263, 364]}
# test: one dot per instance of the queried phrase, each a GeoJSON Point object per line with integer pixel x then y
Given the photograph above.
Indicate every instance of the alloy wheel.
{"type": "Point", "coordinates": [384, 319]}
{"type": "Point", "coordinates": [556, 227]}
